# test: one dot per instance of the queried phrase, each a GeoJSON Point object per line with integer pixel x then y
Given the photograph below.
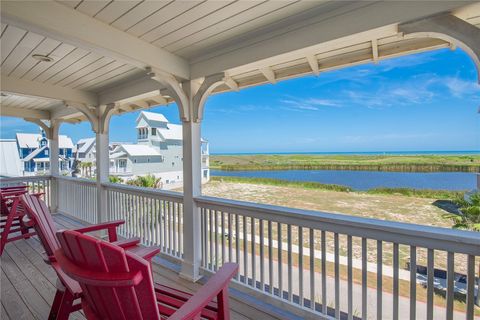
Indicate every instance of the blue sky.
{"type": "Point", "coordinates": [422, 102]}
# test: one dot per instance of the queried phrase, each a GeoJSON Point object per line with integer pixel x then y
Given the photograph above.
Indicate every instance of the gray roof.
{"type": "Point", "coordinates": [85, 144]}
{"type": "Point", "coordinates": [10, 164]}
{"type": "Point", "coordinates": [31, 140]}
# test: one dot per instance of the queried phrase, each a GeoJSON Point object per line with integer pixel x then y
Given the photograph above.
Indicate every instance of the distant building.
{"type": "Point", "coordinates": [34, 152]}
{"type": "Point", "coordinates": [85, 150]}
{"type": "Point", "coordinates": [10, 163]}
{"type": "Point", "coordinates": [158, 151]}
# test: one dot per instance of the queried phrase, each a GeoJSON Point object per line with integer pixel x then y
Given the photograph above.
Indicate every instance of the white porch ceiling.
{"type": "Point", "coordinates": [186, 28]}
{"type": "Point", "coordinates": [73, 67]}
{"type": "Point", "coordinates": [253, 42]}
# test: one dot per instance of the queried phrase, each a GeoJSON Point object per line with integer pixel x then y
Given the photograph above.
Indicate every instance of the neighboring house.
{"type": "Point", "coordinates": [85, 150]}
{"type": "Point", "coordinates": [34, 152]}
{"type": "Point", "coordinates": [10, 163]}
{"type": "Point", "coordinates": [158, 151]}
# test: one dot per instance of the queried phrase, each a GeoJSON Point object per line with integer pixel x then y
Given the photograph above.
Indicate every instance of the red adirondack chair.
{"type": "Point", "coordinates": [119, 284]}
{"type": "Point", "coordinates": [11, 216]}
{"type": "Point", "coordinates": [68, 290]}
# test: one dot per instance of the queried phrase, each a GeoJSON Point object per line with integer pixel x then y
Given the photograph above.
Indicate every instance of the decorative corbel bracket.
{"type": "Point", "coordinates": [172, 88]}
{"type": "Point", "coordinates": [448, 28]}
{"type": "Point", "coordinates": [90, 113]}
{"type": "Point", "coordinates": [206, 88]}
{"type": "Point", "coordinates": [51, 129]}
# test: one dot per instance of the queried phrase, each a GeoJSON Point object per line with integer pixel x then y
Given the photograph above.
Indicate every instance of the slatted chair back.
{"type": "Point", "coordinates": [7, 194]}
{"type": "Point", "coordinates": [116, 283]}
{"type": "Point", "coordinates": [42, 221]}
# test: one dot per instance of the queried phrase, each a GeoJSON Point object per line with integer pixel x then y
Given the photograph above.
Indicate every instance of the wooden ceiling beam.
{"type": "Point", "coordinates": [57, 21]}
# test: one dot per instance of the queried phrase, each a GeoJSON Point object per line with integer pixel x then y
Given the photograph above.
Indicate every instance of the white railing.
{"type": "Point", "coordinates": [78, 198]}
{"type": "Point", "coordinates": [120, 170]}
{"type": "Point", "coordinates": [312, 262]}
{"type": "Point", "coordinates": [156, 216]}
{"type": "Point", "coordinates": [341, 265]}
{"type": "Point", "coordinates": [35, 184]}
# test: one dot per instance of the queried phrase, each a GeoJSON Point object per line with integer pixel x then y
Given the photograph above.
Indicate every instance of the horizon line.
{"type": "Point", "coordinates": [343, 152]}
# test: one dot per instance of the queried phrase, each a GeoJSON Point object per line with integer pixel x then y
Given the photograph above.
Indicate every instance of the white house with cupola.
{"type": "Point", "coordinates": [158, 151]}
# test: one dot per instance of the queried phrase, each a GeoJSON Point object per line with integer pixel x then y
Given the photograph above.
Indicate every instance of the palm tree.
{"type": "Point", "coordinates": [148, 181]}
{"type": "Point", "coordinates": [115, 179]}
{"type": "Point", "coordinates": [468, 216]}
{"type": "Point", "coordinates": [86, 168]}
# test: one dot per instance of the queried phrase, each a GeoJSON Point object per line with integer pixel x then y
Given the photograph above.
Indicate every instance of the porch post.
{"type": "Point", "coordinates": [51, 132]}
{"type": "Point", "coordinates": [192, 187]}
{"type": "Point", "coordinates": [101, 146]}
{"type": "Point", "coordinates": [102, 159]}
{"type": "Point", "coordinates": [54, 165]}
{"type": "Point", "coordinates": [190, 97]}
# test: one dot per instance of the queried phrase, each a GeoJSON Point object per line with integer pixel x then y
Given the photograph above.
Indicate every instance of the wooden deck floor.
{"type": "Point", "coordinates": [28, 284]}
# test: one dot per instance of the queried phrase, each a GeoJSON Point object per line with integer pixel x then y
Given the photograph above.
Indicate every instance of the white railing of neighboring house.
{"type": "Point", "coordinates": [77, 197]}
{"type": "Point", "coordinates": [120, 170]}
{"type": "Point", "coordinates": [36, 184]}
{"type": "Point", "coordinates": [300, 272]}
{"type": "Point", "coordinates": [153, 215]}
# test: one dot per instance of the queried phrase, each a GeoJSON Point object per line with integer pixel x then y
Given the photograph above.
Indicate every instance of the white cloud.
{"type": "Point", "coordinates": [461, 88]}
{"type": "Point", "coordinates": [233, 109]}
{"type": "Point", "coordinates": [312, 104]}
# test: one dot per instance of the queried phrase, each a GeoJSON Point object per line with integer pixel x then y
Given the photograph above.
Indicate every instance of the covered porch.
{"type": "Point", "coordinates": [74, 61]}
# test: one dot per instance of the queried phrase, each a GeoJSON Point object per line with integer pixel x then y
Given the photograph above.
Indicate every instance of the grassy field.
{"type": "Point", "coordinates": [404, 163]}
{"type": "Point", "coordinates": [386, 207]}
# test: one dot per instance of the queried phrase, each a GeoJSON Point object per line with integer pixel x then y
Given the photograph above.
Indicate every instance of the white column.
{"type": "Point", "coordinates": [54, 168]}
{"type": "Point", "coordinates": [192, 187]}
{"type": "Point", "coordinates": [102, 171]}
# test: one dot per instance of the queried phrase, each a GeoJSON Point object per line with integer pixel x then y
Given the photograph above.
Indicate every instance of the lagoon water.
{"type": "Point", "coordinates": [364, 180]}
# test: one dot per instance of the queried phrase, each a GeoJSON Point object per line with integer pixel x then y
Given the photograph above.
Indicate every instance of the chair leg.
{"type": "Point", "coordinates": [24, 229]}
{"type": "Point", "coordinates": [4, 235]}
{"type": "Point", "coordinates": [223, 305]}
{"type": "Point", "coordinates": [66, 306]}
{"type": "Point", "coordinates": [56, 305]}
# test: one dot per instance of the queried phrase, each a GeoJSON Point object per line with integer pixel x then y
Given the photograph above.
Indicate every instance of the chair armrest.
{"type": "Point", "coordinates": [126, 243]}
{"type": "Point", "coordinates": [13, 193]}
{"type": "Point", "coordinates": [216, 285]}
{"type": "Point", "coordinates": [110, 226]}
{"type": "Point", "coordinates": [146, 253]}
{"type": "Point", "coordinates": [38, 194]}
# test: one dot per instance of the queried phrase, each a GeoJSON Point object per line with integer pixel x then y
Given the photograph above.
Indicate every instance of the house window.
{"type": "Point", "coordinates": [46, 152]}
{"type": "Point", "coordinates": [154, 131]}
{"type": "Point", "coordinates": [122, 163]}
{"type": "Point", "coordinates": [142, 133]}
